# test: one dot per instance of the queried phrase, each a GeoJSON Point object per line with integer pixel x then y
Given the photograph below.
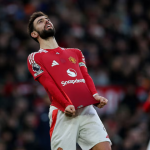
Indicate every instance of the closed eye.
{"type": "Point", "coordinates": [40, 20]}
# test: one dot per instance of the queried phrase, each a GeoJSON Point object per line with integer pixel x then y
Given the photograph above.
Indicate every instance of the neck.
{"type": "Point", "coordinates": [48, 44]}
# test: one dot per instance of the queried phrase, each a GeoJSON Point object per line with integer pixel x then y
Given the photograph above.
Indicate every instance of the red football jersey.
{"type": "Point", "coordinates": [63, 73]}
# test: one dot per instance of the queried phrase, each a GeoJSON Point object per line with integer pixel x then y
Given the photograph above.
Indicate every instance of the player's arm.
{"type": "Point", "coordinates": [51, 87]}
{"type": "Point", "coordinates": [89, 81]}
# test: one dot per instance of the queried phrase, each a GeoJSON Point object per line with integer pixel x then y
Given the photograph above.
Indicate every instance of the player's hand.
{"type": "Point", "coordinates": [103, 101]}
{"type": "Point", "coordinates": [69, 111]}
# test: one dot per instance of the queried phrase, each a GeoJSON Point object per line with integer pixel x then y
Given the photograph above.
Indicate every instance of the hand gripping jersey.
{"type": "Point", "coordinates": [64, 75]}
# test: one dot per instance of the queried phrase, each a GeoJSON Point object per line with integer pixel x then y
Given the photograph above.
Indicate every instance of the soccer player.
{"type": "Point", "coordinates": [54, 67]}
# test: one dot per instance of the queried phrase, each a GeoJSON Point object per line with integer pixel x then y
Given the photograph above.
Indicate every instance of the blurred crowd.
{"type": "Point", "coordinates": [114, 36]}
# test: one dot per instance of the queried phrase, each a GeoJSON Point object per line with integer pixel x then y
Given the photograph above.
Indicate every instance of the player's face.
{"type": "Point", "coordinates": [44, 27]}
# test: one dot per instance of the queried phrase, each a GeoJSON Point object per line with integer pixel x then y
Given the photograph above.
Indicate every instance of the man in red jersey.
{"type": "Point", "coordinates": [64, 75]}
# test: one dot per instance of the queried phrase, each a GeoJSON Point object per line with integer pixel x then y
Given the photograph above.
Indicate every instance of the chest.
{"type": "Point", "coordinates": [60, 59]}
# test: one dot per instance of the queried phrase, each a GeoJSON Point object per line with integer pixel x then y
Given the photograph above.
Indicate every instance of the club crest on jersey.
{"type": "Point", "coordinates": [73, 60]}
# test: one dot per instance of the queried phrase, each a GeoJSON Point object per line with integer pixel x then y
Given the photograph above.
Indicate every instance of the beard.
{"type": "Point", "coordinates": [45, 34]}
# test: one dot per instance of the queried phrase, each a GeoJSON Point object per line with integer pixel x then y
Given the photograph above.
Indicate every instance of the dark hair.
{"type": "Point", "coordinates": [31, 20]}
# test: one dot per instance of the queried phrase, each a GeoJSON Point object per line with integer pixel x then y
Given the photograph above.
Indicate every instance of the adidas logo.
{"type": "Point", "coordinates": [57, 53]}
{"type": "Point", "coordinates": [54, 63]}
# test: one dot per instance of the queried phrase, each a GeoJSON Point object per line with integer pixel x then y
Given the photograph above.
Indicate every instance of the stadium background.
{"type": "Point", "coordinates": [113, 35]}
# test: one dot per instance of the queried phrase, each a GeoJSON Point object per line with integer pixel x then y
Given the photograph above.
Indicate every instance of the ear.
{"type": "Point", "coordinates": [34, 34]}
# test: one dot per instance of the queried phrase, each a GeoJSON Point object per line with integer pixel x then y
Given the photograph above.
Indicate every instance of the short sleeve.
{"type": "Point", "coordinates": [34, 66]}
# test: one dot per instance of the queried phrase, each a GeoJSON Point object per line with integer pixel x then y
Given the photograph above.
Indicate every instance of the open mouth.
{"type": "Point", "coordinates": [48, 26]}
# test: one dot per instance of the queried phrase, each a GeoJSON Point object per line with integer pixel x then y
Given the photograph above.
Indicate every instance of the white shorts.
{"type": "Point", "coordinates": [148, 148]}
{"type": "Point", "coordinates": [85, 128]}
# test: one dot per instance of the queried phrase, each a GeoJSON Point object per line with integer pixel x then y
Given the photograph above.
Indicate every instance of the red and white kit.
{"type": "Point", "coordinates": [64, 75]}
